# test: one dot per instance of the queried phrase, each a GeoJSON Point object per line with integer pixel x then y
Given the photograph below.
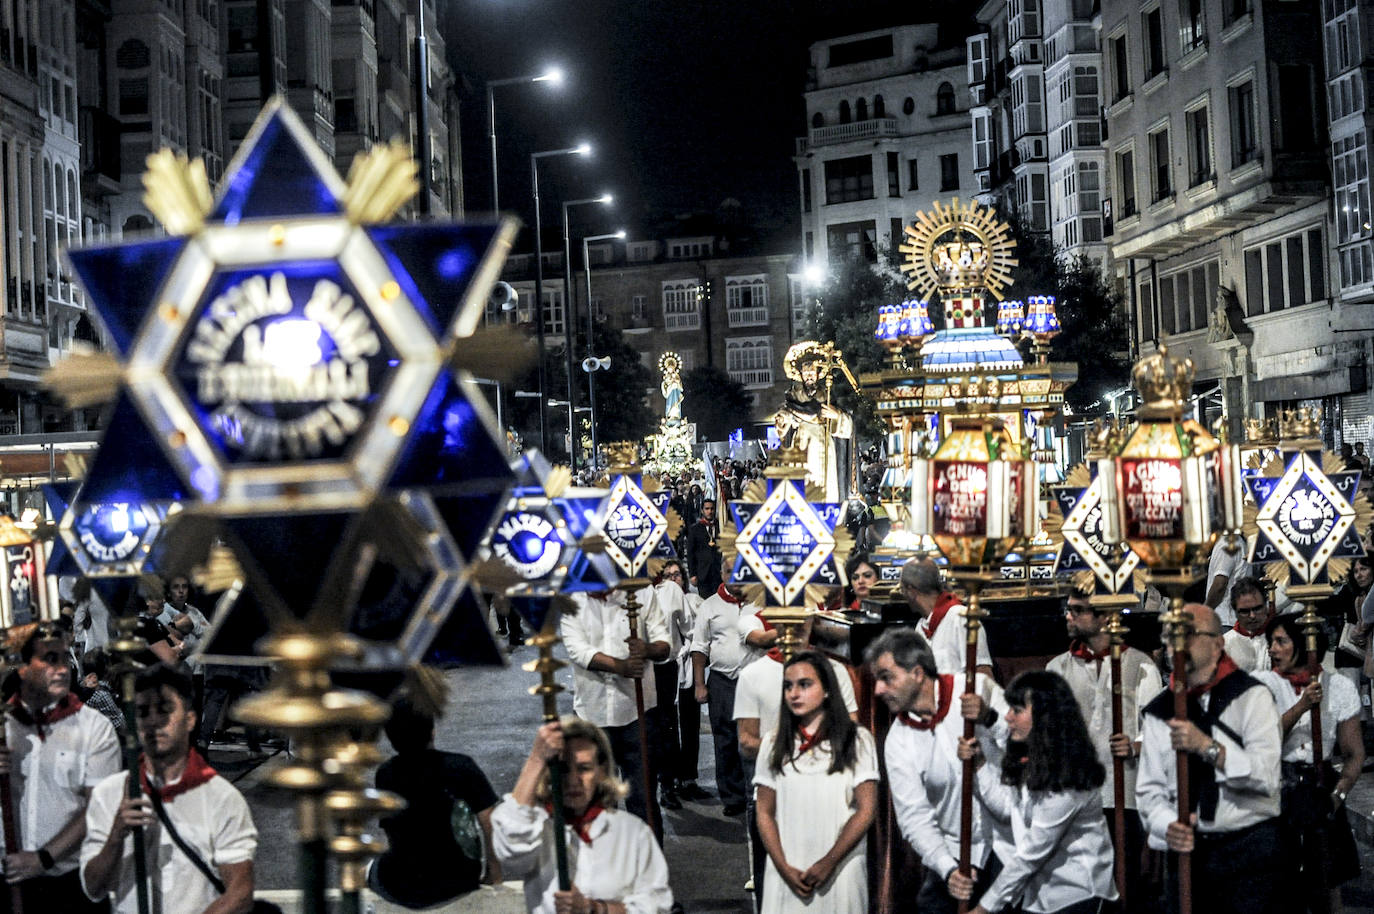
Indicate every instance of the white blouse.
{"type": "Point", "coordinates": [622, 863]}
{"type": "Point", "coordinates": [1340, 702]}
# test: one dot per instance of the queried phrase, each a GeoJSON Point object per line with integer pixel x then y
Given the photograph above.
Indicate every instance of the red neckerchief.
{"type": "Point", "coordinates": [1264, 627]}
{"type": "Point", "coordinates": [856, 604]}
{"type": "Point", "coordinates": [1225, 667]}
{"type": "Point", "coordinates": [582, 824]}
{"type": "Point", "coordinates": [725, 595]}
{"type": "Point", "coordinates": [809, 740]}
{"type": "Point", "coordinates": [1081, 650]}
{"type": "Point", "coordinates": [197, 772]}
{"type": "Point", "coordinates": [1299, 679]}
{"type": "Point", "coordinates": [945, 697]}
{"type": "Point", "coordinates": [774, 653]}
{"type": "Point", "coordinates": [937, 615]}
{"type": "Point", "coordinates": [66, 706]}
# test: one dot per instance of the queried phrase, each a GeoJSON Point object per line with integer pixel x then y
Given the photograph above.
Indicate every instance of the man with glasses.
{"type": "Point", "coordinates": [1086, 666]}
{"type": "Point", "coordinates": [1246, 642]}
{"type": "Point", "coordinates": [1233, 739]}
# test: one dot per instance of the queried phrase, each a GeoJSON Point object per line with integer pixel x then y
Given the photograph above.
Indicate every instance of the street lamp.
{"type": "Point", "coordinates": [591, 363]}
{"type": "Point", "coordinates": [570, 306]}
{"type": "Point", "coordinates": [583, 149]}
{"type": "Point", "coordinates": [552, 76]}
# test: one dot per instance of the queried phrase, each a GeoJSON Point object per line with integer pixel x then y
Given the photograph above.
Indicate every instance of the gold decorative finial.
{"type": "Point", "coordinates": [1164, 383]}
{"type": "Point", "coordinates": [1260, 431]}
{"type": "Point", "coordinates": [1300, 424]}
{"type": "Point", "coordinates": [623, 456]}
{"type": "Point", "coordinates": [177, 191]}
{"type": "Point", "coordinates": [380, 182]}
{"type": "Point", "coordinates": [786, 463]}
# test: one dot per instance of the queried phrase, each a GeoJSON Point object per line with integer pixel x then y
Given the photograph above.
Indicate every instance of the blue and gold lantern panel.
{"type": "Point", "coordinates": [635, 526]}
{"type": "Point", "coordinates": [1041, 321]}
{"type": "Point", "coordinates": [1010, 317]}
{"type": "Point", "coordinates": [786, 544]}
{"type": "Point", "coordinates": [1306, 517]}
{"type": "Point", "coordinates": [1112, 565]}
{"type": "Point", "coordinates": [115, 538]}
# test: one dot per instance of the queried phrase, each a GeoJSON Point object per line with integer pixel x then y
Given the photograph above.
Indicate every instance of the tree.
{"type": "Point", "coordinates": [715, 401]}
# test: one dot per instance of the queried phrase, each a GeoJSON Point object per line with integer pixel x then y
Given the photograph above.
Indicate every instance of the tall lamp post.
{"type": "Point", "coordinates": [572, 424]}
{"type": "Point", "coordinates": [553, 77]}
{"type": "Point", "coordinates": [581, 150]}
{"type": "Point", "coordinates": [591, 364]}
{"type": "Point", "coordinates": [569, 305]}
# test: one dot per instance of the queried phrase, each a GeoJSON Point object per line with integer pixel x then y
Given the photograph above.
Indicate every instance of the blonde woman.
{"type": "Point", "coordinates": [615, 865]}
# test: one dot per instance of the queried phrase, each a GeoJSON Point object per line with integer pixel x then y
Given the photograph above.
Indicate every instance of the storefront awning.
{"type": "Point", "coordinates": [1311, 386]}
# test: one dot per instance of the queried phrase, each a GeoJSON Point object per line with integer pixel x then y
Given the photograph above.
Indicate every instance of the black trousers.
{"type": "Point", "coordinates": [1142, 884]}
{"type": "Point", "coordinates": [625, 748]}
{"type": "Point", "coordinates": [934, 897]}
{"type": "Point", "coordinates": [668, 746]}
{"type": "Point", "coordinates": [720, 694]}
{"type": "Point", "coordinates": [689, 733]}
{"type": "Point", "coordinates": [1235, 872]}
{"type": "Point", "coordinates": [55, 893]}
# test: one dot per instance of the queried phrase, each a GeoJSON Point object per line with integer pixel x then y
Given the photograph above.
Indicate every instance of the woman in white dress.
{"type": "Point", "coordinates": [1048, 791]}
{"type": "Point", "coordinates": [614, 863]}
{"type": "Point", "coordinates": [817, 794]}
{"type": "Point", "coordinates": [1312, 819]}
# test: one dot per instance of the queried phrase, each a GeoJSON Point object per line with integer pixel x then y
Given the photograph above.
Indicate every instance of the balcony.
{"type": "Point", "coordinates": [682, 321]}
{"type": "Point", "coordinates": [748, 317]}
{"type": "Point", "coordinates": [758, 377]}
{"type": "Point", "coordinates": [872, 129]}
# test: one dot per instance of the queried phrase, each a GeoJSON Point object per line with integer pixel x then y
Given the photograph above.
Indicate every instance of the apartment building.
{"type": "Point", "coordinates": [888, 134]}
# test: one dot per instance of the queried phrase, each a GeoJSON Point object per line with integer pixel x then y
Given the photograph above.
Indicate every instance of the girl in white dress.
{"type": "Point", "coordinates": [817, 793]}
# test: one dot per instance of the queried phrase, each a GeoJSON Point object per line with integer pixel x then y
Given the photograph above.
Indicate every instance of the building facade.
{"type": "Point", "coordinates": [1034, 80]}
{"type": "Point", "coordinates": [679, 294]}
{"type": "Point", "coordinates": [1218, 142]}
{"type": "Point", "coordinates": [89, 88]}
{"type": "Point", "coordinates": [888, 134]}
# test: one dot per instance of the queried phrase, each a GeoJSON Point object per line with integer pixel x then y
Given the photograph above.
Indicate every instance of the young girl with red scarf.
{"type": "Point", "coordinates": [817, 794]}
{"type": "Point", "coordinates": [1313, 825]}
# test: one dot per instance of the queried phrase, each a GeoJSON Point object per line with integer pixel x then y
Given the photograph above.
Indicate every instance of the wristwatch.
{"type": "Point", "coordinates": [45, 858]}
{"type": "Point", "coordinates": [1212, 752]}
{"type": "Point", "coordinates": [1338, 795]}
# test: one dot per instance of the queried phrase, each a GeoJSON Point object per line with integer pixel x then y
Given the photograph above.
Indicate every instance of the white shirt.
{"type": "Point", "coordinates": [1248, 785]}
{"type": "Point", "coordinates": [679, 613]}
{"type": "Point", "coordinates": [213, 818]}
{"type": "Point", "coordinates": [949, 641]}
{"type": "Point", "coordinates": [1340, 702]}
{"type": "Point", "coordinates": [601, 626]}
{"type": "Point", "coordinates": [1063, 854]}
{"type": "Point", "coordinates": [623, 863]}
{"type": "Point", "coordinates": [1250, 652]}
{"type": "Point", "coordinates": [925, 776]}
{"type": "Point", "coordinates": [1091, 684]}
{"type": "Point", "coordinates": [717, 635]}
{"type": "Point", "coordinates": [51, 776]}
{"type": "Point", "coordinates": [759, 693]}
{"type": "Point", "coordinates": [1234, 567]}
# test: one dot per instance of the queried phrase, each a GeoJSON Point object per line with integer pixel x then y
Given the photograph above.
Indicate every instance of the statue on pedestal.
{"type": "Point", "coordinates": [808, 420]}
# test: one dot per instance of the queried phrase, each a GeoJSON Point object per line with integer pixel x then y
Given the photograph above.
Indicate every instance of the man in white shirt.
{"type": "Point", "coordinates": [1246, 642]}
{"type": "Point", "coordinates": [56, 751]}
{"type": "Point", "coordinates": [921, 753]}
{"type": "Point", "coordinates": [942, 618]}
{"type": "Point", "coordinates": [1087, 667]}
{"type": "Point", "coordinates": [181, 794]}
{"type": "Point", "coordinates": [1234, 740]}
{"type": "Point", "coordinates": [679, 715]}
{"type": "Point", "coordinates": [718, 645]}
{"type": "Point", "coordinates": [606, 659]}
{"type": "Point", "coordinates": [1224, 568]}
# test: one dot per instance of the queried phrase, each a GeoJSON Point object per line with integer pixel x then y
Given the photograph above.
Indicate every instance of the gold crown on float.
{"type": "Point", "coordinates": [1261, 430]}
{"type": "Point", "coordinates": [961, 264]}
{"type": "Point", "coordinates": [1164, 383]}
{"type": "Point", "coordinates": [623, 456]}
{"type": "Point", "coordinates": [786, 463]}
{"type": "Point", "coordinates": [1304, 422]}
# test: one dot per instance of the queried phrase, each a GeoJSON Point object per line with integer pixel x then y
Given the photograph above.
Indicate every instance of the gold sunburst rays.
{"type": "Point", "coordinates": [380, 182]}
{"type": "Point", "coordinates": [957, 219]}
{"type": "Point", "coordinates": [85, 378]}
{"type": "Point", "coordinates": [176, 190]}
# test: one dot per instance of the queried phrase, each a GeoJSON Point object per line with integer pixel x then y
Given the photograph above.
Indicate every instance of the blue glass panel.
{"type": "Point", "coordinates": [470, 517]}
{"type": "Point", "coordinates": [57, 495]}
{"type": "Point", "coordinates": [465, 637]}
{"type": "Point", "coordinates": [450, 448]}
{"type": "Point", "coordinates": [287, 557]}
{"type": "Point", "coordinates": [534, 610]}
{"type": "Point", "coordinates": [275, 179]}
{"type": "Point", "coordinates": [130, 462]}
{"type": "Point", "coordinates": [387, 599]}
{"type": "Point", "coordinates": [60, 560]}
{"type": "Point", "coordinates": [282, 365]}
{"type": "Point", "coordinates": [122, 282]}
{"type": "Point", "coordinates": [245, 624]}
{"type": "Point", "coordinates": [434, 264]}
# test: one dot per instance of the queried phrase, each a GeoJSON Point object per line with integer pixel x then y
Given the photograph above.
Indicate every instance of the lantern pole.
{"type": "Point", "coordinates": [973, 615]}
{"type": "Point", "coordinates": [1179, 627]}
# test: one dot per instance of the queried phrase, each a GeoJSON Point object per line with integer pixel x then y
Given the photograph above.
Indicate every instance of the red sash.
{"type": "Point", "coordinates": [945, 698]}
{"type": "Point", "coordinates": [197, 772]}
{"type": "Point", "coordinates": [937, 615]}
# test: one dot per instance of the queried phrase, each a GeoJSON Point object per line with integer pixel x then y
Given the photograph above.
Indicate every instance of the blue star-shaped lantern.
{"type": "Point", "coordinates": [1111, 565]}
{"type": "Point", "coordinates": [634, 522]}
{"type": "Point", "coordinates": [1306, 516]}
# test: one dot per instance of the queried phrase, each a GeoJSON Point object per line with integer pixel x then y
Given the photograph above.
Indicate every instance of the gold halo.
{"type": "Point", "coordinates": [970, 218]}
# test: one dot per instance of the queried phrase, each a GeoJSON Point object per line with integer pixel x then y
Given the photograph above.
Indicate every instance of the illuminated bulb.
{"type": "Point", "coordinates": [288, 344]}
{"type": "Point", "coordinates": [118, 519]}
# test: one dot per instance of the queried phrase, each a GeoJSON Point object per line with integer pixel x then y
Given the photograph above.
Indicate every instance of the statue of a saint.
{"type": "Point", "coordinates": [808, 420]}
{"type": "Point", "coordinates": [671, 366]}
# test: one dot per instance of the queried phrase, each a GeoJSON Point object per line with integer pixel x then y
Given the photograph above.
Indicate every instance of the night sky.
{"type": "Point", "coordinates": [687, 102]}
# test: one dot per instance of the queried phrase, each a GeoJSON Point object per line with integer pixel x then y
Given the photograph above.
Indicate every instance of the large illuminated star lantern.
{"type": "Point", "coordinates": [785, 549]}
{"type": "Point", "coordinates": [288, 359]}
{"type": "Point", "coordinates": [636, 523]}
{"type": "Point", "coordinates": [1076, 521]}
{"type": "Point", "coordinates": [106, 539]}
{"type": "Point", "coordinates": [1307, 516]}
{"type": "Point", "coordinates": [535, 551]}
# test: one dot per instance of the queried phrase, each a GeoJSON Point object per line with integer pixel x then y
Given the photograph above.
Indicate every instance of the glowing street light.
{"type": "Point", "coordinates": [553, 76]}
